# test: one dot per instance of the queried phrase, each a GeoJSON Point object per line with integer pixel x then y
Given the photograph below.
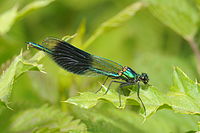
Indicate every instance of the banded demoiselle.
{"type": "Point", "coordinates": [80, 62]}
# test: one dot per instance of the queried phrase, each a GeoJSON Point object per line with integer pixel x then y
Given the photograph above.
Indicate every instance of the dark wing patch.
{"type": "Point", "coordinates": [78, 61]}
{"type": "Point", "coordinates": [69, 57]}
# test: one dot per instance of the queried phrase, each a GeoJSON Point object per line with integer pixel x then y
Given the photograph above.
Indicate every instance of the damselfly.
{"type": "Point", "coordinates": [80, 62]}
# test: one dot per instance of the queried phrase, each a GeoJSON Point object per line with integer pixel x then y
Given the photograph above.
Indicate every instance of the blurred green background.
{"type": "Point", "coordinates": [143, 42]}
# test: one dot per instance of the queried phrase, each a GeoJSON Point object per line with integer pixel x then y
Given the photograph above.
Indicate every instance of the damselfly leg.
{"type": "Point", "coordinates": [113, 81]}
{"type": "Point", "coordinates": [102, 85]}
{"type": "Point", "coordinates": [123, 84]}
{"type": "Point", "coordinates": [119, 89]}
{"type": "Point", "coordinates": [138, 95]}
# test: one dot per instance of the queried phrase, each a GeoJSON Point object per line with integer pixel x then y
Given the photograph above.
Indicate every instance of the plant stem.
{"type": "Point", "coordinates": [196, 51]}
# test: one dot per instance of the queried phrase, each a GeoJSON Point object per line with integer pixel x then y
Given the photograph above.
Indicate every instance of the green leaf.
{"type": "Point", "coordinates": [33, 6]}
{"type": "Point", "coordinates": [180, 15]}
{"type": "Point", "coordinates": [105, 118]}
{"type": "Point", "coordinates": [47, 119]}
{"type": "Point", "coordinates": [184, 97]}
{"type": "Point", "coordinates": [68, 37]}
{"type": "Point", "coordinates": [89, 99]}
{"type": "Point", "coordinates": [152, 99]}
{"type": "Point", "coordinates": [17, 68]}
{"type": "Point", "coordinates": [78, 39]}
{"type": "Point", "coordinates": [8, 18]}
{"type": "Point", "coordinates": [115, 21]}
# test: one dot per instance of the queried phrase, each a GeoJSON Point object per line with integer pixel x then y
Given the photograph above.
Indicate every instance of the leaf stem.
{"type": "Point", "coordinates": [194, 46]}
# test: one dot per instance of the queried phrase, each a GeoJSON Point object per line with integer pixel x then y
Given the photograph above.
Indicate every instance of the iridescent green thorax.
{"type": "Point", "coordinates": [131, 76]}
{"type": "Point", "coordinates": [127, 74]}
{"type": "Point", "coordinates": [130, 73]}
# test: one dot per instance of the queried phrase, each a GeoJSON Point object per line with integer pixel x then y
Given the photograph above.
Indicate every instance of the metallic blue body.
{"type": "Point", "coordinates": [40, 47]}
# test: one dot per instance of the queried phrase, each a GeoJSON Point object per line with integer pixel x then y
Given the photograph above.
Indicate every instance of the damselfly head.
{"type": "Point", "coordinates": [144, 78]}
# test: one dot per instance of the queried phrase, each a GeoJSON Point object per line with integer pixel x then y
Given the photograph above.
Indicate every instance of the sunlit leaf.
{"type": "Point", "coordinates": [46, 119]}
{"type": "Point", "coordinates": [179, 15]}
{"type": "Point", "coordinates": [183, 97]}
{"type": "Point", "coordinates": [8, 18]}
{"type": "Point", "coordinates": [151, 98]}
{"type": "Point", "coordinates": [185, 93]}
{"type": "Point", "coordinates": [16, 68]}
{"type": "Point", "coordinates": [33, 6]}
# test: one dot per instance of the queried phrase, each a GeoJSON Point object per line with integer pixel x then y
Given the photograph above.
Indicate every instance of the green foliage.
{"type": "Point", "coordinates": [183, 97]}
{"type": "Point", "coordinates": [110, 119]}
{"type": "Point", "coordinates": [46, 119]}
{"type": "Point", "coordinates": [115, 21]}
{"type": "Point", "coordinates": [8, 18]}
{"type": "Point", "coordinates": [179, 15]}
{"type": "Point", "coordinates": [8, 21]}
{"type": "Point", "coordinates": [136, 34]}
{"type": "Point", "coordinates": [18, 66]}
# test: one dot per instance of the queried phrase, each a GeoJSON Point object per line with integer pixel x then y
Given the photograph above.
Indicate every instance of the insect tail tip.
{"type": "Point", "coordinates": [29, 44]}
